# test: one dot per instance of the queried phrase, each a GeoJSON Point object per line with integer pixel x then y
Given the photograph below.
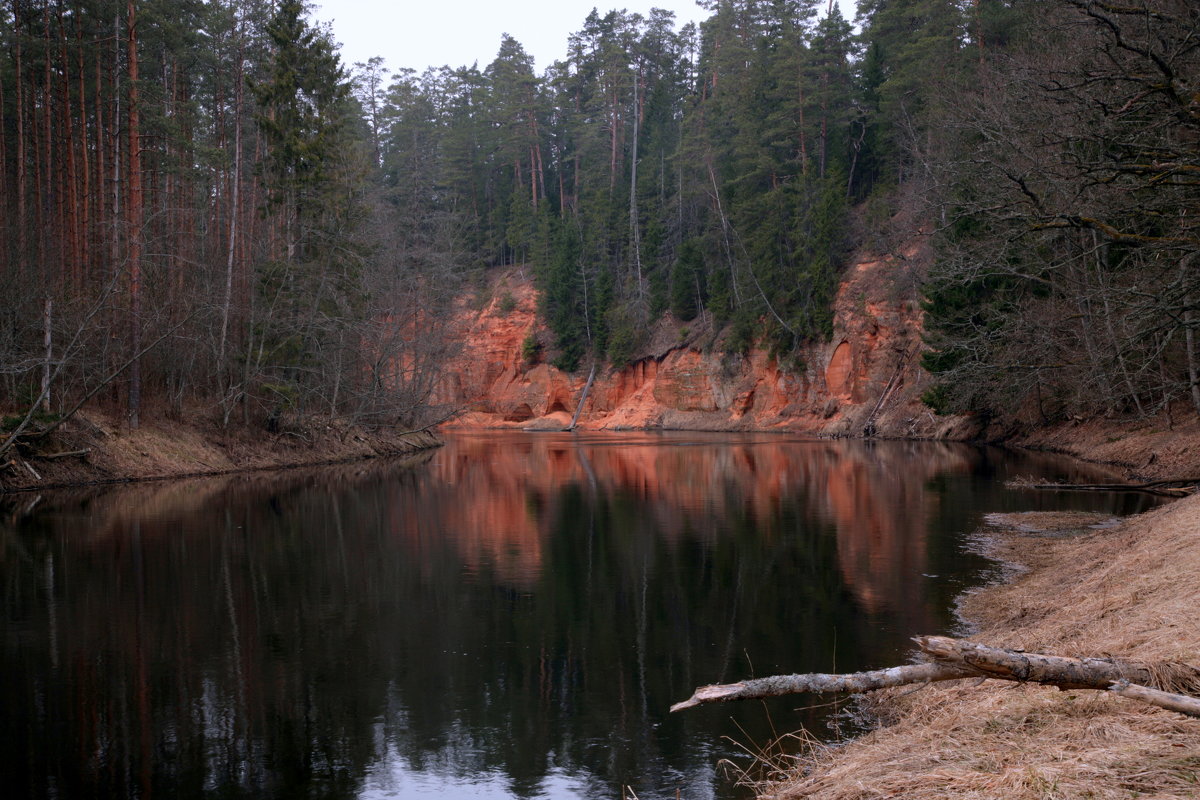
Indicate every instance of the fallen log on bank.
{"type": "Point", "coordinates": [66, 454]}
{"type": "Point", "coordinates": [1169, 685]}
{"type": "Point", "coordinates": [821, 683]}
{"type": "Point", "coordinates": [1178, 487]}
{"type": "Point", "coordinates": [1155, 697]}
{"type": "Point", "coordinates": [1060, 671]}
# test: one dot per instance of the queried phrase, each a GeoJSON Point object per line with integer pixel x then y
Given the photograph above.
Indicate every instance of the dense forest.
{"type": "Point", "coordinates": [205, 210]}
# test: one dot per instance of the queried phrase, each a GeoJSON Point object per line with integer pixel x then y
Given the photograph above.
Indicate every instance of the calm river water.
{"type": "Point", "coordinates": [507, 617]}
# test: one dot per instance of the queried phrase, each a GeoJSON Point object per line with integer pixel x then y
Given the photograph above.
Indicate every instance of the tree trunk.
{"type": "Point", "coordinates": [52, 231]}
{"type": "Point", "coordinates": [1065, 673]}
{"type": "Point", "coordinates": [135, 225]}
{"type": "Point", "coordinates": [4, 209]}
{"type": "Point", "coordinates": [100, 208]}
{"type": "Point", "coordinates": [86, 223]}
{"type": "Point", "coordinates": [47, 350]}
{"type": "Point", "coordinates": [22, 189]}
{"type": "Point", "coordinates": [227, 300]}
{"type": "Point", "coordinates": [634, 228]}
{"type": "Point", "coordinates": [1156, 697]}
{"type": "Point", "coordinates": [116, 208]}
{"type": "Point", "coordinates": [733, 278]}
{"type": "Point", "coordinates": [801, 139]}
{"type": "Point", "coordinates": [583, 397]}
{"type": "Point", "coordinates": [70, 192]}
{"type": "Point", "coordinates": [821, 683]}
{"type": "Point", "coordinates": [956, 658]}
{"type": "Point", "coordinates": [1189, 336]}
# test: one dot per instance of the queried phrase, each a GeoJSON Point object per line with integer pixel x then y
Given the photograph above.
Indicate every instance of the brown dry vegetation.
{"type": "Point", "coordinates": [1149, 449]}
{"type": "Point", "coordinates": [169, 448]}
{"type": "Point", "coordinates": [1083, 587]}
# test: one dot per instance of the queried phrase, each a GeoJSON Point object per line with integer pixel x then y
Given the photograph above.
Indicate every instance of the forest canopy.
{"type": "Point", "coordinates": [204, 207]}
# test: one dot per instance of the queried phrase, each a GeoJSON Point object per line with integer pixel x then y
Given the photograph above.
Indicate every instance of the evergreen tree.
{"type": "Point", "coordinates": [687, 281]}
{"type": "Point", "coordinates": [312, 168]}
{"type": "Point", "coordinates": [913, 48]}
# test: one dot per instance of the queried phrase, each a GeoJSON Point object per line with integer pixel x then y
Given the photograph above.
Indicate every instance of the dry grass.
{"type": "Point", "coordinates": [1087, 588]}
{"type": "Point", "coordinates": [171, 448]}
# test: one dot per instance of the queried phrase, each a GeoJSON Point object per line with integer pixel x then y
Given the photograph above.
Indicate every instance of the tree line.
{"type": "Point", "coordinates": [706, 170]}
{"type": "Point", "coordinates": [190, 217]}
{"type": "Point", "coordinates": [1067, 281]}
{"type": "Point", "coordinates": [202, 206]}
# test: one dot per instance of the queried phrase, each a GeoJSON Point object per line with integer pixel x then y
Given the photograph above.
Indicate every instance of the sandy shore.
{"type": "Point", "coordinates": [1081, 585]}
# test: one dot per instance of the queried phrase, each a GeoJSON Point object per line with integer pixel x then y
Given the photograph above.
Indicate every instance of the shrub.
{"type": "Point", "coordinates": [531, 349]}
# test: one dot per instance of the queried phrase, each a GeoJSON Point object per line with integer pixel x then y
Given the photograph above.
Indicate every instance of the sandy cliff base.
{"type": "Point", "coordinates": [1083, 587]}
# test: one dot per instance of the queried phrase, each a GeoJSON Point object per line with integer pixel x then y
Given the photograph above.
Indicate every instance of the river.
{"type": "Point", "coordinates": [509, 616]}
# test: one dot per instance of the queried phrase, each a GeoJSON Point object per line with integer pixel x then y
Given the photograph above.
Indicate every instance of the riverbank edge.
{"type": "Point", "coordinates": [1065, 583]}
{"type": "Point", "coordinates": [97, 449]}
{"type": "Point", "coordinates": [162, 449]}
{"type": "Point", "coordinates": [1140, 450]}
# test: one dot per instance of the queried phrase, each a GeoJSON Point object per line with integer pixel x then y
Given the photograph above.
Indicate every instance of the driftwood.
{"type": "Point", "coordinates": [821, 683]}
{"type": "Point", "coordinates": [1156, 697]}
{"type": "Point", "coordinates": [66, 454]}
{"type": "Point", "coordinates": [587, 387]}
{"type": "Point", "coordinates": [1065, 673]}
{"type": "Point", "coordinates": [1159, 683]}
{"type": "Point", "coordinates": [1180, 487]}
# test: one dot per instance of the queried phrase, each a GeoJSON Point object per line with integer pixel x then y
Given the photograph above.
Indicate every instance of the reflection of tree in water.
{"type": "Point", "coordinates": [287, 637]}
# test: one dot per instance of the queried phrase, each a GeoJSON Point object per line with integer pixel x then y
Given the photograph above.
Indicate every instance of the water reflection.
{"type": "Point", "coordinates": [510, 617]}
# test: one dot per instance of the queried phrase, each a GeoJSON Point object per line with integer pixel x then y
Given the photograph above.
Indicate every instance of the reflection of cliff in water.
{"type": "Point", "coordinates": [874, 498]}
{"type": "Point", "coordinates": [519, 611]}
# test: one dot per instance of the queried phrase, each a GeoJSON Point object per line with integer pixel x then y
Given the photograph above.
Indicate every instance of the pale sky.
{"type": "Point", "coordinates": [424, 33]}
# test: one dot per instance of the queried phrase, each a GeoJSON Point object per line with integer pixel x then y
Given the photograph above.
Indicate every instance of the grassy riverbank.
{"type": "Point", "coordinates": [1078, 585]}
{"type": "Point", "coordinates": [1150, 449]}
{"type": "Point", "coordinates": [98, 448]}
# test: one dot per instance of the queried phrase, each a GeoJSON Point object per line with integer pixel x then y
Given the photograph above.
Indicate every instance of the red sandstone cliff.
{"type": "Point", "coordinates": [867, 377]}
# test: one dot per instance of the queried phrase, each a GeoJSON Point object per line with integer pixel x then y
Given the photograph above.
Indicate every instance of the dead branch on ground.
{"type": "Point", "coordinates": [1166, 684]}
{"type": "Point", "coordinates": [66, 454]}
{"type": "Point", "coordinates": [1180, 487]}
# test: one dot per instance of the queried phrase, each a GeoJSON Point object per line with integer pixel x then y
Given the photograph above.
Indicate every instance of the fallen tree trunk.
{"type": "Point", "coordinates": [583, 397]}
{"type": "Point", "coordinates": [1159, 683]}
{"type": "Point", "coordinates": [1155, 697]}
{"type": "Point", "coordinates": [1178, 487]}
{"type": "Point", "coordinates": [65, 454]}
{"type": "Point", "coordinates": [1065, 673]}
{"type": "Point", "coordinates": [822, 683]}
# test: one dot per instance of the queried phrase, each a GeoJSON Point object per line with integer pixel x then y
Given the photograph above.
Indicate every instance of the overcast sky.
{"type": "Point", "coordinates": [423, 33]}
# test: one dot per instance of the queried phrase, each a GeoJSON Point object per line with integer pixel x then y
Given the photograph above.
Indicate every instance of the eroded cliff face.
{"type": "Point", "coordinates": [866, 379]}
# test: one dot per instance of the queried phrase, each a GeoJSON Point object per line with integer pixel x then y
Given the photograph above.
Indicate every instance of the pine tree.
{"type": "Point", "coordinates": [311, 174]}
{"type": "Point", "coordinates": [913, 47]}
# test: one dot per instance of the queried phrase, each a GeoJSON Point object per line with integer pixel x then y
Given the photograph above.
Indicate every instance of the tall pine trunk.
{"type": "Point", "coordinates": [22, 188]}
{"type": "Point", "coordinates": [227, 299]}
{"type": "Point", "coordinates": [135, 224]}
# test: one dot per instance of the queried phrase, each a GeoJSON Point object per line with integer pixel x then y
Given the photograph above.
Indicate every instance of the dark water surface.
{"type": "Point", "coordinates": [509, 616]}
